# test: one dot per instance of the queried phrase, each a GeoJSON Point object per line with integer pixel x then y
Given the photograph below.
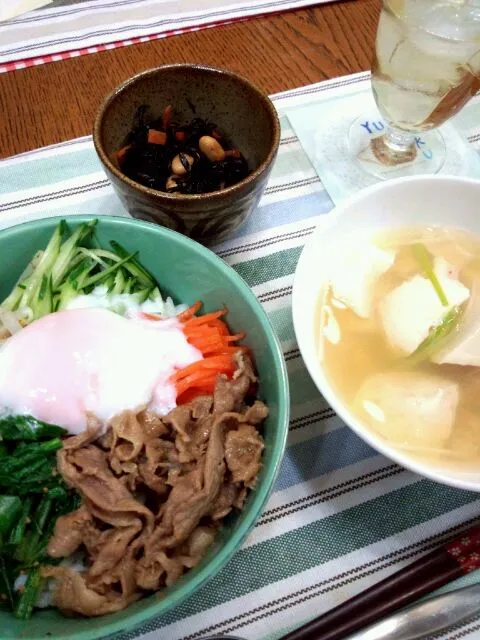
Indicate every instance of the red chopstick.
{"type": "Point", "coordinates": [426, 574]}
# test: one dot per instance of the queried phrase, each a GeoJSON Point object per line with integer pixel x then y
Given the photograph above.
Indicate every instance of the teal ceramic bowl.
{"type": "Point", "coordinates": [188, 272]}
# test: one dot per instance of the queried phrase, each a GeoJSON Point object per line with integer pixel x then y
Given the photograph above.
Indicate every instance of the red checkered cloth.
{"type": "Point", "coordinates": [82, 27]}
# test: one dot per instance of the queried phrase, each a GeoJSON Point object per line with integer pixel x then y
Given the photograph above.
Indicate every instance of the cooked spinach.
{"type": "Point", "coordinates": [32, 496]}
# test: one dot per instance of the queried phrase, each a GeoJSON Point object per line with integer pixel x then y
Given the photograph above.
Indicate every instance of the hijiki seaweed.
{"type": "Point", "coordinates": [190, 158]}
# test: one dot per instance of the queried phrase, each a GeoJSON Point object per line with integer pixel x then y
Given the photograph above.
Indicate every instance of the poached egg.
{"type": "Point", "coordinates": [76, 361]}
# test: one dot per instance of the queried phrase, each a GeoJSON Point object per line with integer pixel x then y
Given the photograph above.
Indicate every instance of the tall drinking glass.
{"type": "Point", "coordinates": [425, 68]}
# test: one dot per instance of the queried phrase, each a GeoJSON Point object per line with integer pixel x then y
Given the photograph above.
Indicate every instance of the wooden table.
{"type": "Point", "coordinates": [57, 101]}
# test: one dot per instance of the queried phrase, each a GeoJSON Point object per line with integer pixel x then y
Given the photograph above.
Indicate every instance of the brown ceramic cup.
{"type": "Point", "coordinates": [240, 109]}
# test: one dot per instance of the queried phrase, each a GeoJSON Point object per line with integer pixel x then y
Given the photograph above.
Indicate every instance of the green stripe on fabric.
{"type": "Point", "coordinates": [275, 265]}
{"type": "Point", "coordinates": [302, 387]}
{"type": "Point", "coordinates": [41, 172]}
{"type": "Point", "coordinates": [319, 542]}
{"type": "Point", "coordinates": [282, 322]}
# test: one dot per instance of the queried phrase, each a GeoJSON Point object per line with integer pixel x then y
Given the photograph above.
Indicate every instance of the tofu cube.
{"type": "Point", "coordinates": [355, 274]}
{"type": "Point", "coordinates": [411, 310]}
{"type": "Point", "coordinates": [464, 348]}
{"type": "Point", "coordinates": [410, 407]}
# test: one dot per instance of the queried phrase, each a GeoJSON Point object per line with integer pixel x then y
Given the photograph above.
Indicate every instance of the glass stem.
{"type": "Point", "coordinates": [394, 147]}
{"type": "Point", "coordinates": [399, 142]}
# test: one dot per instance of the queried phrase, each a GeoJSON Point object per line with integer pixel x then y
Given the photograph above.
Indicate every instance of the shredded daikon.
{"type": "Point", "coordinates": [9, 320]}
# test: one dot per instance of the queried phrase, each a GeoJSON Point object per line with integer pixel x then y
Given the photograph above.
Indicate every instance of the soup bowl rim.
{"type": "Point", "coordinates": [303, 281]}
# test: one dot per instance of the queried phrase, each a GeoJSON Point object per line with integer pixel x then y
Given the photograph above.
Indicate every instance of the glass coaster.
{"type": "Point", "coordinates": [323, 127]}
{"type": "Point", "coordinates": [365, 144]}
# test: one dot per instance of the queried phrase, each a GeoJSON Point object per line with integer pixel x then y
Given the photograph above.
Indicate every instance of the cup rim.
{"type": "Point", "coordinates": [213, 196]}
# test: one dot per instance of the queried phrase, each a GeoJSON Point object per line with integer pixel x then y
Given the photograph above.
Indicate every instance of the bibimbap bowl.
{"type": "Point", "coordinates": [187, 272]}
{"type": "Point", "coordinates": [237, 107]}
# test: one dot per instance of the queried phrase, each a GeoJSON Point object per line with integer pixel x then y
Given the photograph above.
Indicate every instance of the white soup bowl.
{"type": "Point", "coordinates": [414, 201]}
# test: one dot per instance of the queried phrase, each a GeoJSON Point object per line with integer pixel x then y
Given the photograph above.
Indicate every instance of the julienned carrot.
{"type": "Point", "coordinates": [207, 318]}
{"type": "Point", "coordinates": [220, 325]}
{"type": "Point", "coordinates": [190, 312]}
{"type": "Point", "coordinates": [234, 338]}
{"type": "Point", "coordinates": [217, 364]}
{"type": "Point", "coordinates": [211, 336]}
{"type": "Point", "coordinates": [150, 316]}
{"type": "Point", "coordinates": [207, 330]}
{"type": "Point", "coordinates": [194, 392]}
{"type": "Point", "coordinates": [192, 327]}
{"type": "Point", "coordinates": [205, 382]}
{"type": "Point", "coordinates": [156, 137]}
{"type": "Point", "coordinates": [167, 116]}
{"type": "Point", "coordinates": [206, 344]}
{"type": "Point", "coordinates": [232, 153]}
{"type": "Point", "coordinates": [203, 330]}
{"type": "Point", "coordinates": [120, 154]}
{"type": "Point", "coordinates": [226, 350]}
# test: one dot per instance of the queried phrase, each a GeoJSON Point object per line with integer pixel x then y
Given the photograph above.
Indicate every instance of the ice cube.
{"type": "Point", "coordinates": [443, 30]}
{"type": "Point", "coordinates": [390, 33]}
{"type": "Point", "coordinates": [403, 107]}
{"type": "Point", "coordinates": [474, 63]}
{"type": "Point", "coordinates": [409, 407]}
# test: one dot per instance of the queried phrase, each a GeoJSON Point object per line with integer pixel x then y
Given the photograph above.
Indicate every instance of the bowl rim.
{"type": "Point", "coordinates": [157, 605]}
{"type": "Point", "coordinates": [317, 371]}
{"type": "Point", "coordinates": [181, 197]}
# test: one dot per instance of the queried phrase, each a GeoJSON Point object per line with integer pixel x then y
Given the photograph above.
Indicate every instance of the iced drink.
{"type": "Point", "coordinates": [427, 62]}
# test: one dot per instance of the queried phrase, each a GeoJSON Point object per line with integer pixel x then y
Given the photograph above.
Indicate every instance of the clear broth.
{"type": "Point", "coordinates": [363, 350]}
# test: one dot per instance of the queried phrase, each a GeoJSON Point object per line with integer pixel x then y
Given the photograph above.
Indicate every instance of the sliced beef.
{"type": "Point", "coordinates": [152, 425]}
{"type": "Point", "coordinates": [157, 569]}
{"type": "Point", "coordinates": [243, 453]}
{"type": "Point", "coordinates": [92, 537]}
{"type": "Point", "coordinates": [159, 458]}
{"type": "Point", "coordinates": [154, 492]}
{"type": "Point", "coordinates": [239, 502]}
{"type": "Point", "coordinates": [72, 595]}
{"type": "Point", "coordinates": [227, 496]}
{"type": "Point", "coordinates": [68, 533]}
{"type": "Point", "coordinates": [230, 395]}
{"type": "Point", "coordinates": [128, 436]}
{"type": "Point", "coordinates": [256, 414]}
{"type": "Point", "coordinates": [200, 540]}
{"type": "Point", "coordinates": [114, 546]}
{"type": "Point", "coordinates": [192, 423]}
{"type": "Point", "coordinates": [105, 496]}
{"type": "Point", "coordinates": [178, 419]}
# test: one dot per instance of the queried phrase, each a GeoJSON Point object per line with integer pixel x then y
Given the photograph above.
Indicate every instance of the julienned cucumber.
{"type": "Point", "coordinates": [28, 428]}
{"type": "Point", "coordinates": [72, 265]}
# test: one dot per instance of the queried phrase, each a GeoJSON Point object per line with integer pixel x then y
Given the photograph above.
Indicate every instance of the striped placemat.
{"type": "Point", "coordinates": [341, 516]}
{"type": "Point", "coordinates": [70, 28]}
